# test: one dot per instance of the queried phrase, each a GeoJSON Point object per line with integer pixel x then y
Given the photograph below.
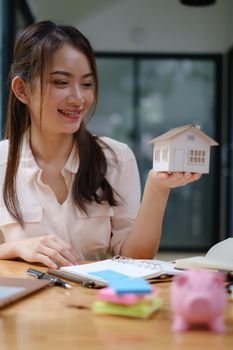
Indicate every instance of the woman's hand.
{"type": "Point", "coordinates": [143, 240]}
{"type": "Point", "coordinates": [167, 180]}
{"type": "Point", "coordinates": [49, 250]}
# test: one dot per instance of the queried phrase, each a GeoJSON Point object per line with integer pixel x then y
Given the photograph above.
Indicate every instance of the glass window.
{"type": "Point", "coordinates": [143, 97]}
{"type": "Point", "coordinates": [228, 150]}
{"type": "Point", "coordinates": [114, 115]}
{"type": "Point", "coordinates": [1, 31]}
{"type": "Point", "coordinates": [14, 16]}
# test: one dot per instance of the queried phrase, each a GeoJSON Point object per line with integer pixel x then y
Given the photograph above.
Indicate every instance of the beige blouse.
{"type": "Point", "coordinates": [97, 235]}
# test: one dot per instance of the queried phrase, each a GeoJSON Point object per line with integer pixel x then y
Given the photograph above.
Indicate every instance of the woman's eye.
{"type": "Point", "coordinates": [60, 82]}
{"type": "Point", "coordinates": [87, 85]}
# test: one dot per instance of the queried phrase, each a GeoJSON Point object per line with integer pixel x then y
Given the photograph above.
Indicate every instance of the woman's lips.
{"type": "Point", "coordinates": [71, 115]}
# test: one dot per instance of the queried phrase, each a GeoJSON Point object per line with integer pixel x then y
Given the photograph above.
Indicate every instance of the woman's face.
{"type": "Point", "coordinates": [68, 93]}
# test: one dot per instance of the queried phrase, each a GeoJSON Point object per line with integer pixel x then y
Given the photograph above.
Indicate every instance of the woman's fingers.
{"type": "Point", "coordinates": [49, 250]}
{"type": "Point", "coordinates": [177, 179]}
{"type": "Point", "coordinates": [166, 180]}
{"type": "Point", "coordinates": [186, 178]}
{"type": "Point", "coordinates": [55, 256]}
{"type": "Point", "coordinates": [65, 249]}
{"type": "Point", "coordinates": [44, 259]}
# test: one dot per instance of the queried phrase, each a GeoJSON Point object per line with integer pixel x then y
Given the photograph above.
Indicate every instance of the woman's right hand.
{"type": "Point", "coordinates": [49, 250]}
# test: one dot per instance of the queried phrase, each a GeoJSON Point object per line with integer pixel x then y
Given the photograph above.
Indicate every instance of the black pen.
{"type": "Point", "coordinates": [43, 275]}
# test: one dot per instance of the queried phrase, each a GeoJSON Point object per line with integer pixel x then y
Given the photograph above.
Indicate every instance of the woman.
{"type": "Point", "coordinates": [66, 194]}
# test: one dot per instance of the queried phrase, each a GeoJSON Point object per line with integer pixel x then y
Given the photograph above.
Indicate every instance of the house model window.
{"type": "Point", "coordinates": [183, 149]}
{"type": "Point", "coordinates": [157, 155]}
{"type": "Point", "coordinates": [165, 155]}
{"type": "Point", "coordinates": [196, 156]}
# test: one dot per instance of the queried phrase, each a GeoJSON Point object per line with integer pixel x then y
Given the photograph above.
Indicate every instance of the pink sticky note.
{"type": "Point", "coordinates": [109, 294]}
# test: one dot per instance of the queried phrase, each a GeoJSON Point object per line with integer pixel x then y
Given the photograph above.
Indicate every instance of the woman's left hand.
{"type": "Point", "coordinates": [167, 180]}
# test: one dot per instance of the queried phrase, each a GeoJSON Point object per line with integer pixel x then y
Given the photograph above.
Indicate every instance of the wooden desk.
{"type": "Point", "coordinates": [47, 320]}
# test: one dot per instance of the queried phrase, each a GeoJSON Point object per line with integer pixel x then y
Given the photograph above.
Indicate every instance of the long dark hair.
{"type": "Point", "coordinates": [33, 53]}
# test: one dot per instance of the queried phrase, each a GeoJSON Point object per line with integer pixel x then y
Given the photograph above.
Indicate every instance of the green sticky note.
{"type": "Point", "coordinates": [141, 309]}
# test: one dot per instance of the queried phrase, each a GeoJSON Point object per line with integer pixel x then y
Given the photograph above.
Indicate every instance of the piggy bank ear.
{"type": "Point", "coordinates": [181, 279]}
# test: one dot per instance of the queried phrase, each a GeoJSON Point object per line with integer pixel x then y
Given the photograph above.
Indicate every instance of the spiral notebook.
{"type": "Point", "coordinates": [104, 271]}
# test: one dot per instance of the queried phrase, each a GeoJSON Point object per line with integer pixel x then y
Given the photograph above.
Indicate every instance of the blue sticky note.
{"type": "Point", "coordinates": [109, 275]}
{"type": "Point", "coordinates": [131, 285]}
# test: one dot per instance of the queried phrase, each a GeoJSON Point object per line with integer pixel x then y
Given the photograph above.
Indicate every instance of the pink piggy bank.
{"type": "Point", "coordinates": [198, 298]}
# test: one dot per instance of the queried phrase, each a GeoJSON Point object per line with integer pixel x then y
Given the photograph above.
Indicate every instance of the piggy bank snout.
{"type": "Point", "coordinates": [198, 305]}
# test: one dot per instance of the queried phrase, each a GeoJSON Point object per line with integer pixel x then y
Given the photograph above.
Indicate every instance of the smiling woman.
{"type": "Point", "coordinates": [68, 94]}
{"type": "Point", "coordinates": [66, 194]}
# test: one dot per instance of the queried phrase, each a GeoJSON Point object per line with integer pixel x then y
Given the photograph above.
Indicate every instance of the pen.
{"type": "Point", "coordinates": [43, 275]}
{"type": "Point", "coordinates": [88, 284]}
{"type": "Point", "coordinates": [84, 281]}
{"type": "Point", "coordinates": [229, 288]}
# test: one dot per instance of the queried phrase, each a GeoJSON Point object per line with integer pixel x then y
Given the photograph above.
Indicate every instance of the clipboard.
{"type": "Point", "coordinates": [13, 289]}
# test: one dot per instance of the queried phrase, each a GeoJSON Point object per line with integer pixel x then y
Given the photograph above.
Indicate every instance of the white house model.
{"type": "Point", "coordinates": [186, 148]}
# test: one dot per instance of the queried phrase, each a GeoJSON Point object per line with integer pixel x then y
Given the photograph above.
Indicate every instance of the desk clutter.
{"type": "Point", "coordinates": [68, 315]}
{"type": "Point", "coordinates": [197, 296]}
{"type": "Point", "coordinates": [197, 299]}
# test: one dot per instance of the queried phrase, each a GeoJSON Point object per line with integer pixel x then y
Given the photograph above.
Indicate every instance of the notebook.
{"type": "Point", "coordinates": [12, 289]}
{"type": "Point", "coordinates": [105, 271]}
{"type": "Point", "coordinates": [218, 257]}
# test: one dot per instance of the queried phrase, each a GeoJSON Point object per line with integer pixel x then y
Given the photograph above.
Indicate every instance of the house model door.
{"type": "Point", "coordinates": [179, 159]}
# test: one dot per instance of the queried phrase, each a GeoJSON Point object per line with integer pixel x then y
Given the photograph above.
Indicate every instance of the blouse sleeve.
{"type": "Point", "coordinates": [126, 183]}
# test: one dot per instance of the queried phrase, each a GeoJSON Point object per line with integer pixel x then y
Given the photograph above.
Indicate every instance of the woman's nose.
{"type": "Point", "coordinates": [76, 97]}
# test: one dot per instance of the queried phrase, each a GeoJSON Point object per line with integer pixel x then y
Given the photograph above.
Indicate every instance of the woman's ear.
{"type": "Point", "coordinates": [20, 90]}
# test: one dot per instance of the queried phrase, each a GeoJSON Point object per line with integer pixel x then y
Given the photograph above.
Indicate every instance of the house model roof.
{"type": "Point", "coordinates": [176, 131]}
